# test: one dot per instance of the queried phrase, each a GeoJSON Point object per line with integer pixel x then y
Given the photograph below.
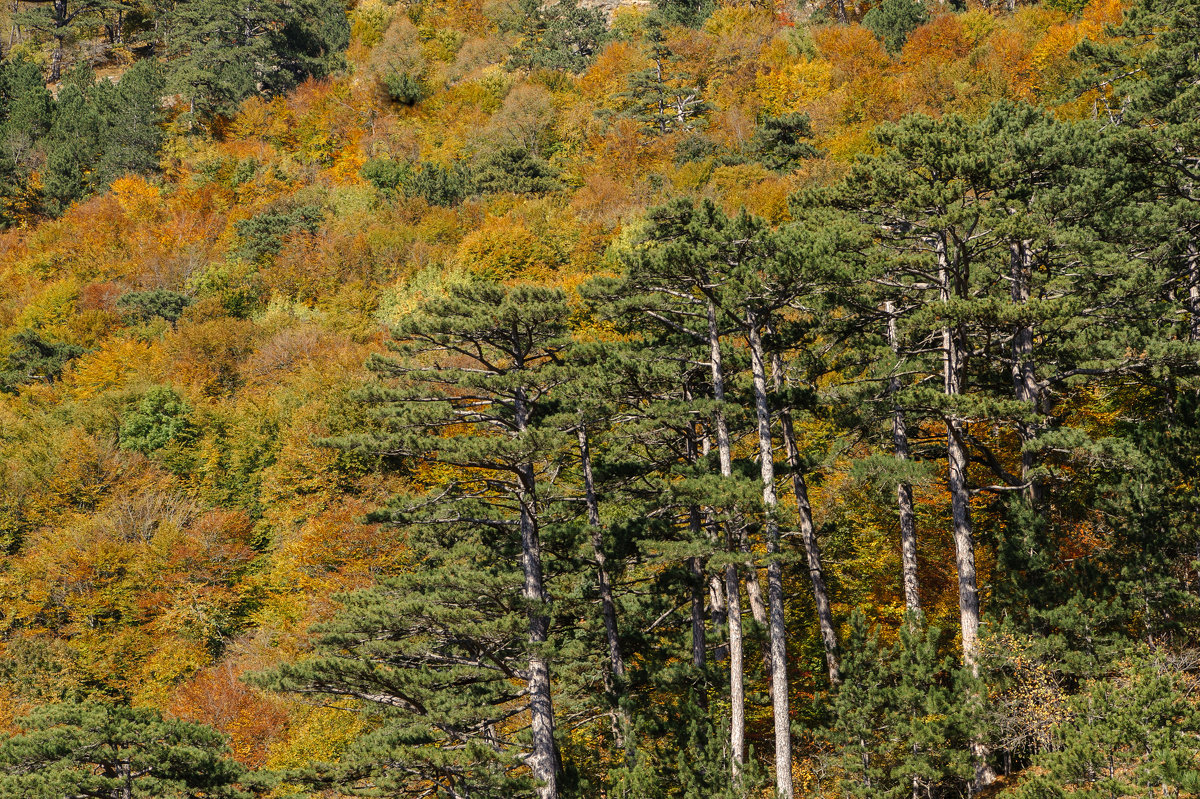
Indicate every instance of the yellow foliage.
{"type": "Point", "coordinates": [137, 198]}
{"type": "Point", "coordinates": [754, 188]}
{"type": "Point", "coordinates": [315, 734]}
{"type": "Point", "coordinates": [505, 248]}
{"type": "Point", "coordinates": [793, 87]}
{"type": "Point", "coordinates": [52, 308]}
{"type": "Point", "coordinates": [115, 364]}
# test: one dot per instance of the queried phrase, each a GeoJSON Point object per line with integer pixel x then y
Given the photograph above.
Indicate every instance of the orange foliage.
{"type": "Point", "coordinates": [217, 696]}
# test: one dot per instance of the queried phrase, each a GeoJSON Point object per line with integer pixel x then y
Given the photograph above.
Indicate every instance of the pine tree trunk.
{"type": "Point", "coordinates": [758, 606]}
{"type": "Point", "coordinates": [695, 567]}
{"type": "Point", "coordinates": [960, 497]}
{"type": "Point", "coordinates": [698, 630]}
{"type": "Point", "coordinates": [737, 697]}
{"type": "Point", "coordinates": [808, 534]}
{"type": "Point", "coordinates": [777, 632]}
{"type": "Point", "coordinates": [1024, 379]}
{"type": "Point", "coordinates": [544, 759]}
{"type": "Point", "coordinates": [1193, 262]}
{"type": "Point", "coordinates": [841, 11]}
{"type": "Point", "coordinates": [953, 375]}
{"type": "Point", "coordinates": [717, 606]}
{"type": "Point", "coordinates": [964, 544]}
{"type": "Point", "coordinates": [737, 691]}
{"type": "Point", "coordinates": [60, 23]}
{"type": "Point", "coordinates": [608, 610]}
{"type": "Point", "coordinates": [607, 606]}
{"type": "Point", "coordinates": [904, 493]}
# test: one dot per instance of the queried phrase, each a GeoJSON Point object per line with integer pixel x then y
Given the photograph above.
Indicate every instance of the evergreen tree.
{"type": "Point", "coordinates": [73, 147]}
{"type": "Point", "coordinates": [26, 113]}
{"type": "Point", "coordinates": [113, 752]}
{"type": "Point", "coordinates": [1130, 734]}
{"type": "Point", "coordinates": [657, 96]}
{"type": "Point", "coordinates": [561, 35]}
{"type": "Point", "coordinates": [904, 718]}
{"type": "Point", "coordinates": [158, 303]}
{"type": "Point", "coordinates": [61, 19]}
{"type": "Point", "coordinates": [782, 142]}
{"type": "Point", "coordinates": [474, 377]}
{"type": "Point", "coordinates": [131, 120]}
{"type": "Point", "coordinates": [893, 20]}
{"type": "Point", "coordinates": [221, 52]}
{"type": "Point", "coordinates": [514, 170]}
{"type": "Point", "coordinates": [34, 358]}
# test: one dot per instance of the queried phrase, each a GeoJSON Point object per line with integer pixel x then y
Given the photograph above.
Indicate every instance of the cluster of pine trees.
{"type": "Point", "coordinates": [608, 478]}
{"type": "Point", "coordinates": [884, 488]}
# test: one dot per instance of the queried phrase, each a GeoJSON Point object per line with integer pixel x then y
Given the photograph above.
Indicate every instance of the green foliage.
{"type": "Point", "coordinates": [35, 359]}
{"type": "Point", "coordinates": [131, 116]}
{"type": "Point", "coordinates": [560, 35]}
{"type": "Point", "coordinates": [893, 20]}
{"type": "Point", "coordinates": [1130, 734]}
{"type": "Point", "coordinates": [691, 13]}
{"type": "Point", "coordinates": [515, 170]}
{"type": "Point", "coordinates": [155, 304]}
{"type": "Point", "coordinates": [404, 87]}
{"type": "Point", "coordinates": [780, 143]}
{"type": "Point", "coordinates": [221, 52]}
{"type": "Point", "coordinates": [436, 184]}
{"type": "Point", "coordinates": [160, 417]}
{"type": "Point", "coordinates": [660, 96]}
{"type": "Point", "coordinates": [114, 752]}
{"type": "Point", "coordinates": [72, 149]}
{"type": "Point", "coordinates": [262, 236]}
{"type": "Point", "coordinates": [88, 136]}
{"type": "Point", "coordinates": [26, 113]}
{"type": "Point", "coordinates": [903, 716]}
{"type": "Point", "coordinates": [437, 654]}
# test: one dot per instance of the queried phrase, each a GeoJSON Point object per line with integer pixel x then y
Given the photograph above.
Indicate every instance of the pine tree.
{"type": "Point", "coordinates": [561, 35]}
{"type": "Point", "coordinates": [1130, 734]}
{"type": "Point", "coordinates": [657, 96]}
{"type": "Point", "coordinates": [131, 120]}
{"type": "Point", "coordinates": [72, 150]}
{"type": "Point", "coordinates": [221, 52]}
{"type": "Point", "coordinates": [114, 752]}
{"type": "Point", "coordinates": [473, 382]}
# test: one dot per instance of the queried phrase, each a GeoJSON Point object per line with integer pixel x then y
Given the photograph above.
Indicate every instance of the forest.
{"type": "Point", "coordinates": [632, 399]}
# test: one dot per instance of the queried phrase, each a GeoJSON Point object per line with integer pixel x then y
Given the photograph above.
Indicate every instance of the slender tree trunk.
{"type": "Point", "coordinates": [758, 608]}
{"type": "Point", "coordinates": [953, 376]}
{"type": "Point", "coordinates": [904, 492]}
{"type": "Point", "coordinates": [717, 605]}
{"type": "Point", "coordinates": [737, 696]}
{"type": "Point", "coordinates": [808, 534]}
{"type": "Point", "coordinates": [964, 544]}
{"type": "Point", "coordinates": [1193, 262]}
{"type": "Point", "coordinates": [695, 567]}
{"type": "Point", "coordinates": [956, 431]}
{"type": "Point", "coordinates": [737, 691]}
{"type": "Point", "coordinates": [543, 761]}
{"type": "Point", "coordinates": [608, 607]}
{"type": "Point", "coordinates": [699, 654]}
{"type": "Point", "coordinates": [1024, 379]}
{"type": "Point", "coordinates": [840, 6]}
{"type": "Point", "coordinates": [777, 632]}
{"type": "Point", "coordinates": [60, 33]}
{"type": "Point", "coordinates": [904, 503]}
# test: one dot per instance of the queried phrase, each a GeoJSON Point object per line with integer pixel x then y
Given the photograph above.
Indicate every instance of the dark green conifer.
{"type": "Point", "coordinates": [109, 751]}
